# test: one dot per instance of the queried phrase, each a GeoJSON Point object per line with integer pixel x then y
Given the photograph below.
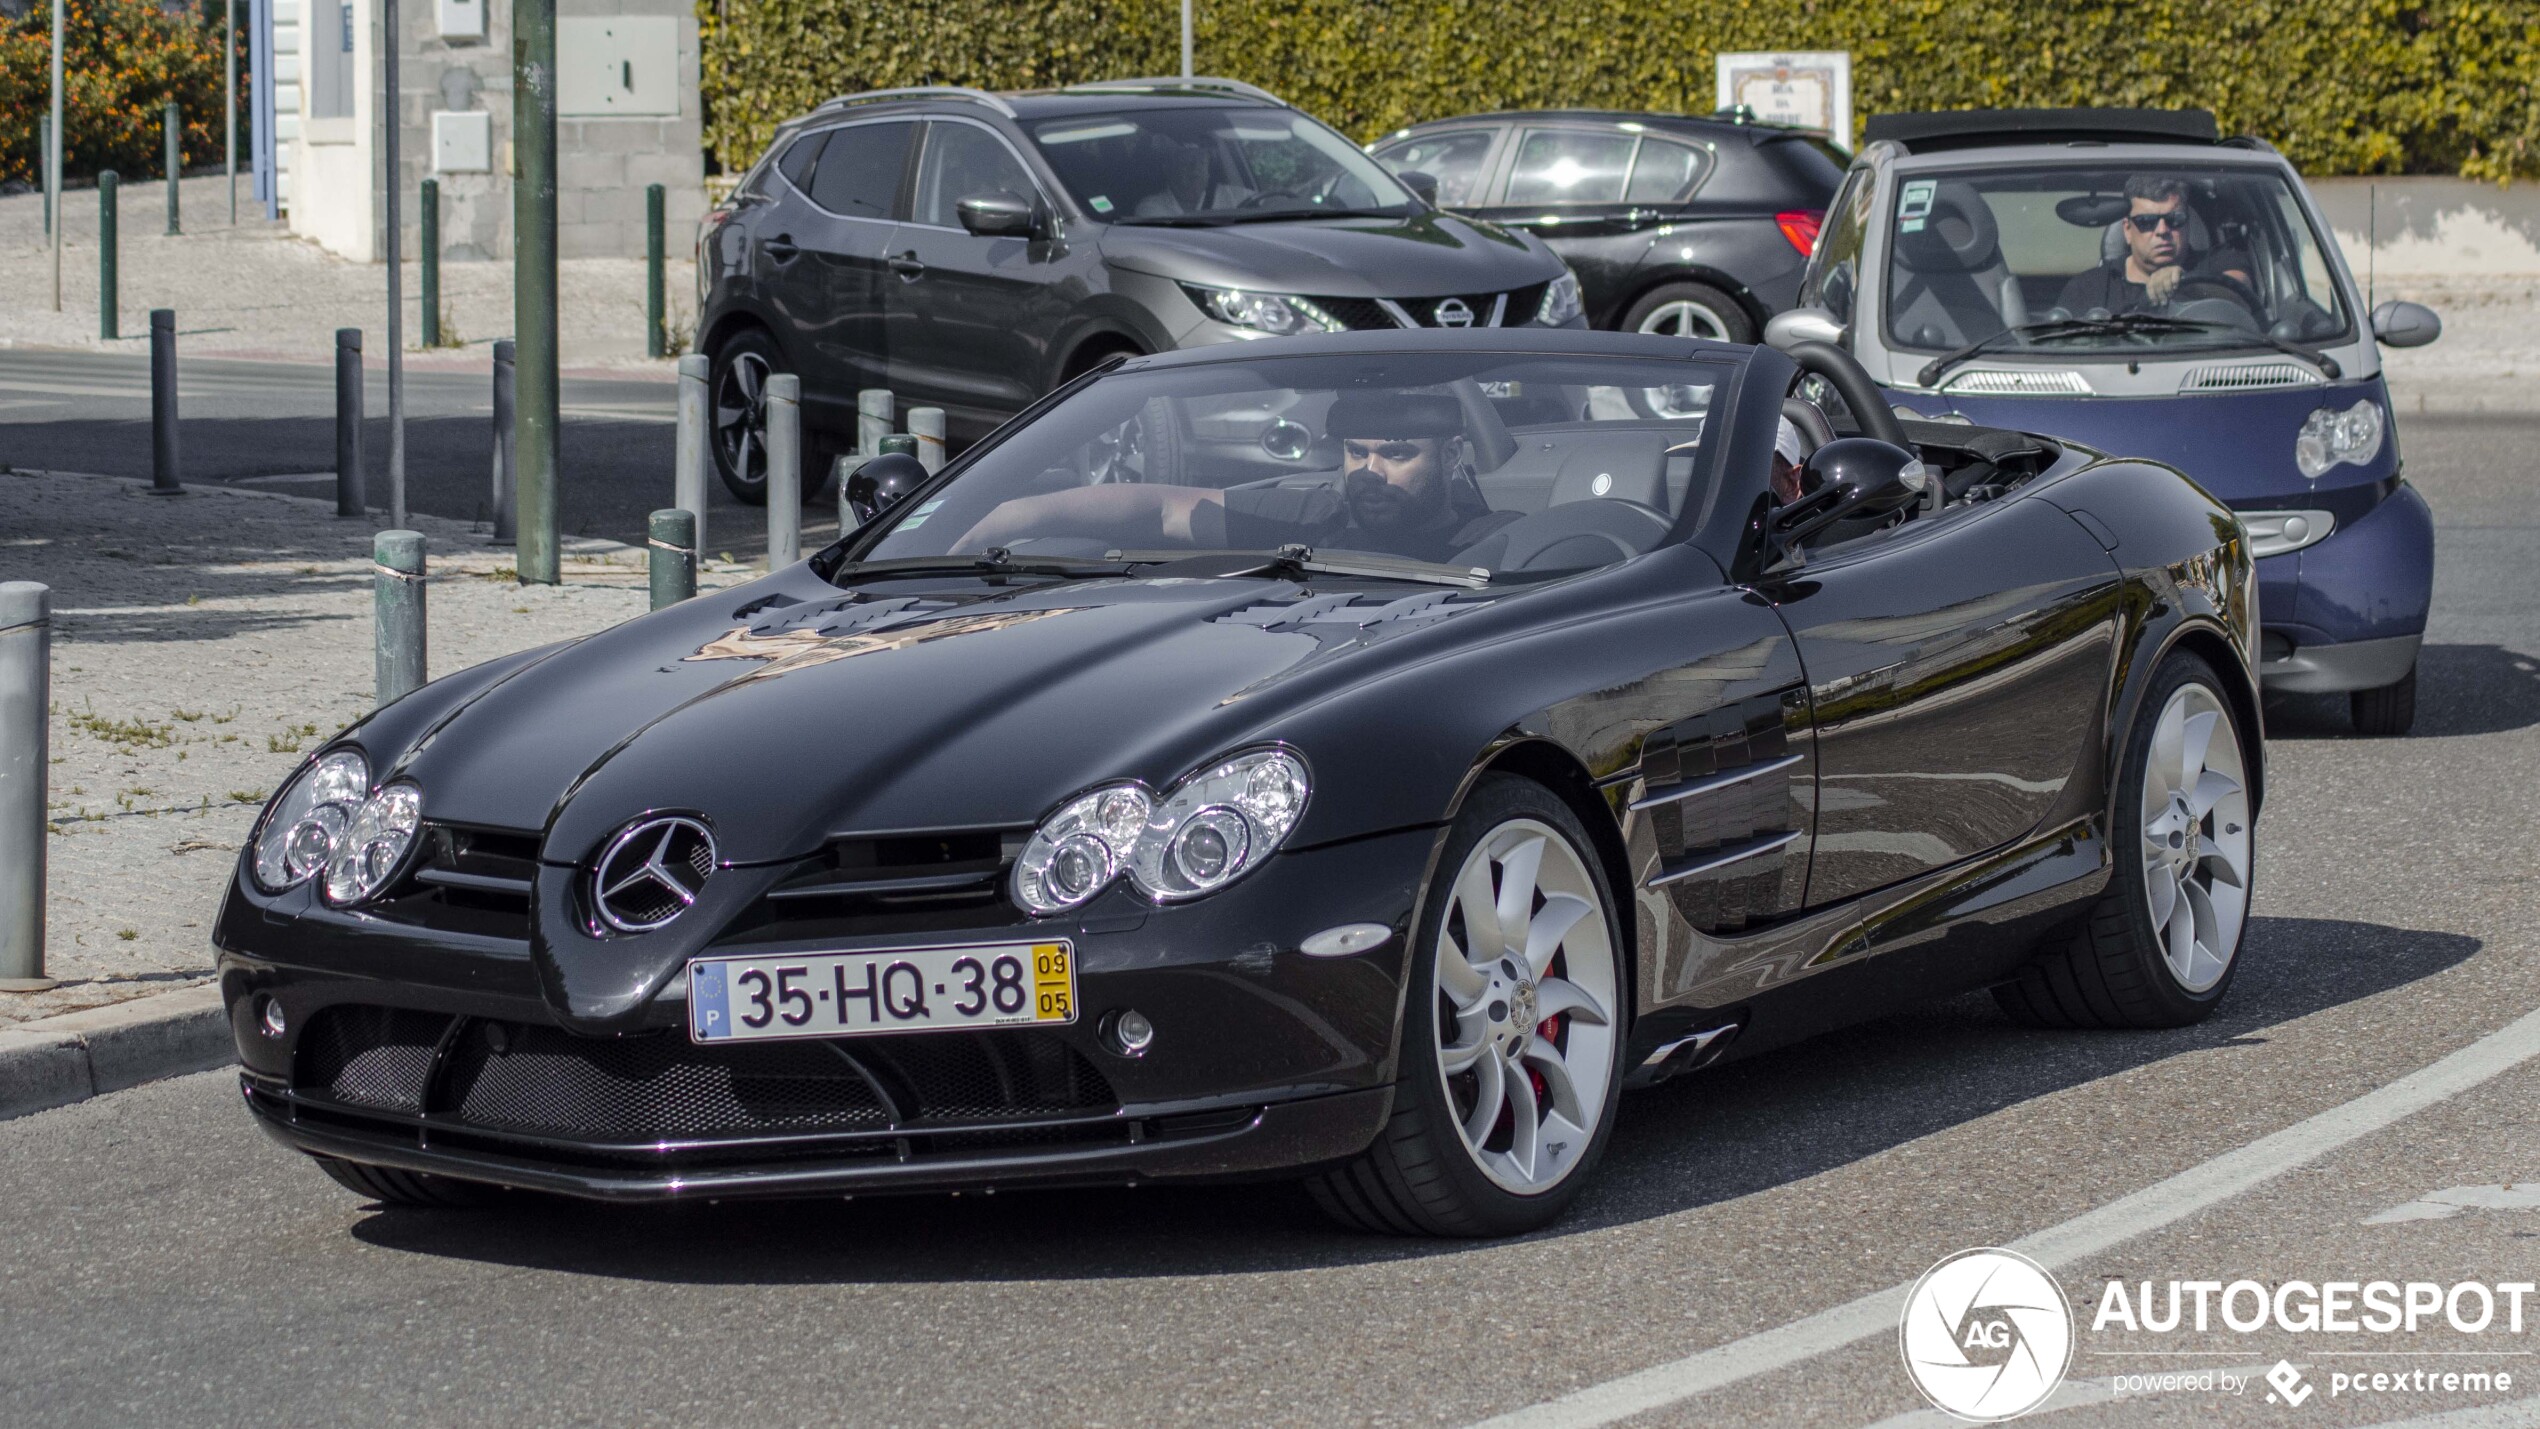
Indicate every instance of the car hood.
{"type": "Point", "coordinates": [789, 712]}
{"type": "Point", "coordinates": [1428, 255]}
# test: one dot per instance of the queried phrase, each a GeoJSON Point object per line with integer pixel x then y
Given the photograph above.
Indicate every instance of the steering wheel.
{"type": "Point", "coordinates": [2216, 285]}
{"type": "Point", "coordinates": [1852, 382]}
{"type": "Point", "coordinates": [1575, 534]}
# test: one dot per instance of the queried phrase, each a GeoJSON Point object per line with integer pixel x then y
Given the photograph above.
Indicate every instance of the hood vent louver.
{"type": "Point", "coordinates": [2249, 376]}
{"type": "Point", "coordinates": [2020, 382]}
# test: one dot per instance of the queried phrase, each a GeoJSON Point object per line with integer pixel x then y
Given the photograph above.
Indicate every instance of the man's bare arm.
{"type": "Point", "coordinates": [1119, 512]}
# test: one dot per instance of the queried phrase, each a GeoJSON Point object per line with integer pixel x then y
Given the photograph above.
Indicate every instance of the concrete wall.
{"type": "Point", "coordinates": [2423, 227]}
{"type": "Point", "coordinates": [604, 164]}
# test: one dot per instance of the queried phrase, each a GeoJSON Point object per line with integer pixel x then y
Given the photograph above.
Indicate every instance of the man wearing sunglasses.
{"type": "Point", "coordinates": [2157, 256]}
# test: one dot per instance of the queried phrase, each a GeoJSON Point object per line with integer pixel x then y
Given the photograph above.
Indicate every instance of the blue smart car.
{"type": "Point", "coordinates": [2132, 281]}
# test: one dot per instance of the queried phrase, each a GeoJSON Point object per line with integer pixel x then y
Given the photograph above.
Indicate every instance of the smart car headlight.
{"type": "Point", "coordinates": [1562, 304]}
{"type": "Point", "coordinates": [308, 819]}
{"type": "Point", "coordinates": [2330, 437]}
{"type": "Point", "coordinates": [369, 854]}
{"type": "Point", "coordinates": [1273, 313]}
{"type": "Point", "coordinates": [1076, 852]}
{"type": "Point", "coordinates": [1219, 824]}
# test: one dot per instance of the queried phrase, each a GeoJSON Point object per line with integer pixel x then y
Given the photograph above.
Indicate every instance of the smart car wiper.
{"type": "Point", "coordinates": [1939, 366]}
{"type": "Point", "coordinates": [2326, 364]}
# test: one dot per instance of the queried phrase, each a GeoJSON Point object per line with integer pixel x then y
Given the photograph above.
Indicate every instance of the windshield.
{"type": "Point", "coordinates": [1504, 462]}
{"type": "Point", "coordinates": [2181, 259]}
{"type": "Point", "coordinates": [1213, 165]}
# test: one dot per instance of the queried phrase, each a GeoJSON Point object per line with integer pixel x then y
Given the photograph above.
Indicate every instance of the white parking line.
{"type": "Point", "coordinates": [2071, 1394]}
{"type": "Point", "coordinates": [2520, 1414]}
{"type": "Point", "coordinates": [2198, 1187]}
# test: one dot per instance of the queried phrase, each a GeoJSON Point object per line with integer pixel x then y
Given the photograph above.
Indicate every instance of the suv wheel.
{"type": "Point", "coordinates": [737, 397]}
{"type": "Point", "coordinates": [1690, 310]}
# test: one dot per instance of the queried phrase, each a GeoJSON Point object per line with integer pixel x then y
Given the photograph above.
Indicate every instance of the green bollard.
{"type": "Point", "coordinates": [656, 341]}
{"type": "Point", "coordinates": [174, 135]}
{"type": "Point", "coordinates": [898, 442]}
{"type": "Point", "coordinates": [107, 182]}
{"type": "Point", "coordinates": [428, 218]}
{"type": "Point", "coordinates": [671, 548]}
{"type": "Point", "coordinates": [396, 605]}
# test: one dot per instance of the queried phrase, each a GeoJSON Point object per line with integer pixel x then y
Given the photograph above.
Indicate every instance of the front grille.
{"type": "Point", "coordinates": [1369, 315]}
{"type": "Point", "coordinates": [370, 1056]}
{"type": "Point", "coordinates": [889, 885]}
{"type": "Point", "coordinates": [1358, 314]}
{"type": "Point", "coordinates": [467, 880]}
{"type": "Point", "coordinates": [658, 1086]}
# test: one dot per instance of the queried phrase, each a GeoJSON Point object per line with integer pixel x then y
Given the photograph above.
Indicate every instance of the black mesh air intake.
{"type": "Point", "coordinates": [554, 1083]}
{"type": "Point", "coordinates": [369, 1056]}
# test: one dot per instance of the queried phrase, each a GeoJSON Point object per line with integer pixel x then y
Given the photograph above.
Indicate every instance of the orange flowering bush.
{"type": "Point", "coordinates": [121, 61]}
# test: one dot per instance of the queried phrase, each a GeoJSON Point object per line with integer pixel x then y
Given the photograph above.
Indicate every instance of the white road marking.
{"type": "Point", "coordinates": [2195, 1189]}
{"type": "Point", "coordinates": [2077, 1394]}
{"type": "Point", "coordinates": [2442, 1205]}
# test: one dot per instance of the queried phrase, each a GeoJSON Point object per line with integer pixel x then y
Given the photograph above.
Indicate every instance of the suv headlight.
{"type": "Point", "coordinates": [1272, 313]}
{"type": "Point", "coordinates": [1212, 829]}
{"type": "Point", "coordinates": [308, 819]}
{"type": "Point", "coordinates": [1562, 304]}
{"type": "Point", "coordinates": [2330, 437]}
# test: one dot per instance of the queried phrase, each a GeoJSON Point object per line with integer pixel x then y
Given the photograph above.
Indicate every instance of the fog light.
{"type": "Point", "coordinates": [1131, 1033]}
{"type": "Point", "coordinates": [272, 1018]}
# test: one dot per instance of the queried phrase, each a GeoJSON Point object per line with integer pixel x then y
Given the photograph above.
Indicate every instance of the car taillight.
{"type": "Point", "coordinates": [1800, 227]}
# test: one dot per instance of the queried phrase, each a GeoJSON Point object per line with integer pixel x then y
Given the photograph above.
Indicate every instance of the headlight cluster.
{"type": "Point", "coordinates": [1213, 828]}
{"type": "Point", "coordinates": [329, 821]}
{"type": "Point", "coordinates": [1270, 313]}
{"type": "Point", "coordinates": [2329, 437]}
{"type": "Point", "coordinates": [1562, 304]}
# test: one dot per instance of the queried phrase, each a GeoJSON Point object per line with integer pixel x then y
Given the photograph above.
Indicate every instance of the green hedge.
{"type": "Point", "coordinates": [122, 61]}
{"type": "Point", "coordinates": [2343, 86]}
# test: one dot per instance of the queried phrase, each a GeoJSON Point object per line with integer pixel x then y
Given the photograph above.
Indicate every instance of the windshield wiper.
{"type": "Point", "coordinates": [1251, 215]}
{"type": "Point", "coordinates": [995, 561]}
{"type": "Point", "coordinates": [2124, 325]}
{"type": "Point", "coordinates": [2326, 364]}
{"type": "Point", "coordinates": [1304, 560]}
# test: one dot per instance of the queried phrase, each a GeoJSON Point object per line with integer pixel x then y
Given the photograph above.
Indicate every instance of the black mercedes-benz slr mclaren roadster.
{"type": "Point", "coordinates": [1356, 759]}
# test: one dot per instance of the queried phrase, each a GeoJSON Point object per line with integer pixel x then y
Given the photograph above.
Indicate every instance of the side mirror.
{"type": "Point", "coordinates": [1788, 330]}
{"type": "Point", "coordinates": [1422, 183]}
{"type": "Point", "coordinates": [2397, 324]}
{"type": "Point", "coordinates": [996, 215]}
{"type": "Point", "coordinates": [1851, 477]}
{"type": "Point", "coordinates": [882, 483]}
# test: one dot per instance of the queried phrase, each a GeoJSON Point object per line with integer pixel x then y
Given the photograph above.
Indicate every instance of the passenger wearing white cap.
{"type": "Point", "coordinates": [1790, 452]}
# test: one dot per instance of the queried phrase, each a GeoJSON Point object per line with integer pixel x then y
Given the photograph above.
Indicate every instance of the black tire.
{"type": "Point", "coordinates": [2111, 971]}
{"type": "Point", "coordinates": [1417, 1178]}
{"type": "Point", "coordinates": [1708, 305]}
{"type": "Point", "coordinates": [2387, 712]}
{"type": "Point", "coordinates": [392, 1187]}
{"type": "Point", "coordinates": [735, 408]}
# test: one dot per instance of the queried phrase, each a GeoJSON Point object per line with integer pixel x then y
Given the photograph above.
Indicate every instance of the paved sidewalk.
{"type": "Point", "coordinates": [257, 291]}
{"type": "Point", "coordinates": [203, 645]}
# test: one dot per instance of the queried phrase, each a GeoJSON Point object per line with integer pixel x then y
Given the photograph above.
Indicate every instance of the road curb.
{"type": "Point", "coordinates": [55, 1061]}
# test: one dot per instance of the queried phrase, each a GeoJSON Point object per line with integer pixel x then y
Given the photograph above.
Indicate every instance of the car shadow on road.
{"type": "Point", "coordinates": [1712, 1137]}
{"type": "Point", "coordinates": [2461, 689]}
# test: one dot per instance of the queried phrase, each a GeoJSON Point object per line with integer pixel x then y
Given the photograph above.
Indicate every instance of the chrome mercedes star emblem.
{"type": "Point", "coordinates": [652, 873]}
{"type": "Point", "coordinates": [1454, 312]}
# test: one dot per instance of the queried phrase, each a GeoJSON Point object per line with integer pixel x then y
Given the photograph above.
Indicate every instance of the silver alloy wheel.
{"type": "Point", "coordinates": [1685, 318]}
{"type": "Point", "coordinates": [1524, 947]}
{"type": "Point", "coordinates": [740, 417]}
{"type": "Point", "coordinates": [2196, 836]}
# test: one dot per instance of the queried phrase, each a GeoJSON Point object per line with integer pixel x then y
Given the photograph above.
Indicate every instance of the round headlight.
{"type": "Point", "coordinates": [1076, 852]}
{"type": "Point", "coordinates": [1219, 824]}
{"type": "Point", "coordinates": [308, 819]}
{"type": "Point", "coordinates": [369, 854]}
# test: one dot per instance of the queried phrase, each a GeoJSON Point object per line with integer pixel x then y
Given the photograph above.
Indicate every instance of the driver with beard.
{"type": "Point", "coordinates": [1407, 489]}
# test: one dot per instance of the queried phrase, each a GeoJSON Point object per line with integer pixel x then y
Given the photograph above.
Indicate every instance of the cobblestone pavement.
{"type": "Point", "coordinates": [256, 290]}
{"type": "Point", "coordinates": [202, 645]}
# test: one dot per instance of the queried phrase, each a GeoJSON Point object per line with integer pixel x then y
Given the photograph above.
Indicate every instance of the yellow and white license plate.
{"type": "Point", "coordinates": [903, 990]}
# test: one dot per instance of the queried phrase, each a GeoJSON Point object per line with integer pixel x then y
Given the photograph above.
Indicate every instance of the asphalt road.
{"type": "Point", "coordinates": [272, 425]}
{"type": "Point", "coordinates": [166, 1264]}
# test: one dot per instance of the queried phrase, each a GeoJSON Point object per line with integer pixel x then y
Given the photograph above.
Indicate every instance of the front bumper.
{"type": "Point", "coordinates": [2350, 612]}
{"type": "Point", "coordinates": [441, 1053]}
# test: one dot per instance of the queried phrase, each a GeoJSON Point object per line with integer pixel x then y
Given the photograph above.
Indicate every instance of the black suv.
{"type": "Point", "coordinates": [971, 251]}
{"type": "Point", "coordinates": [1690, 227]}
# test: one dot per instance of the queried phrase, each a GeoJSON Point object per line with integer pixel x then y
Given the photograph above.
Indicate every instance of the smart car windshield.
{"type": "Point", "coordinates": [1503, 462]}
{"type": "Point", "coordinates": [1201, 167]}
{"type": "Point", "coordinates": [2109, 262]}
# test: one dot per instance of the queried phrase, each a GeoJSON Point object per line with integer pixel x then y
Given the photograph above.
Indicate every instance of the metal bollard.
{"type": "Point", "coordinates": [784, 469]}
{"type": "Point", "coordinates": [428, 219]}
{"type": "Point", "coordinates": [163, 464]}
{"type": "Point", "coordinates": [693, 457]}
{"type": "Point", "coordinates": [898, 444]}
{"type": "Point", "coordinates": [174, 135]}
{"type": "Point", "coordinates": [927, 425]}
{"type": "Point", "coordinates": [108, 182]}
{"type": "Point", "coordinates": [655, 339]}
{"type": "Point", "coordinates": [670, 548]}
{"type": "Point", "coordinates": [349, 499]}
{"type": "Point", "coordinates": [873, 409]}
{"type": "Point", "coordinates": [506, 484]}
{"type": "Point", "coordinates": [44, 165]}
{"type": "Point", "coordinates": [396, 612]}
{"type": "Point", "coordinates": [26, 670]}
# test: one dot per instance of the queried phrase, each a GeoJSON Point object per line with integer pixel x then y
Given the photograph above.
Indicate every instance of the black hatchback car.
{"type": "Point", "coordinates": [971, 251]}
{"type": "Point", "coordinates": [1676, 225]}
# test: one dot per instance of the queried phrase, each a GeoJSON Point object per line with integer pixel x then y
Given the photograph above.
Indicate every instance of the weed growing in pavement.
{"type": "Point", "coordinates": [246, 796]}
{"type": "Point", "coordinates": [126, 734]}
{"type": "Point", "coordinates": [128, 934]}
{"type": "Point", "coordinates": [502, 575]}
{"type": "Point", "coordinates": [288, 742]}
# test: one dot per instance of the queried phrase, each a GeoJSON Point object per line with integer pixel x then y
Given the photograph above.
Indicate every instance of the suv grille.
{"type": "Point", "coordinates": [1368, 314]}
{"type": "Point", "coordinates": [509, 1077]}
